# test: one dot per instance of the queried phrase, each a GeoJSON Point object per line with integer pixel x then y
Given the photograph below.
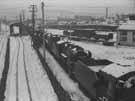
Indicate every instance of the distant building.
{"type": "Point", "coordinates": [82, 18]}
{"type": "Point", "coordinates": [67, 19]}
{"type": "Point", "coordinates": [126, 32]}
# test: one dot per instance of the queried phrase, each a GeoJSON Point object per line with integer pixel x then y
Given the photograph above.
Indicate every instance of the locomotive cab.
{"type": "Point", "coordinates": [116, 83]}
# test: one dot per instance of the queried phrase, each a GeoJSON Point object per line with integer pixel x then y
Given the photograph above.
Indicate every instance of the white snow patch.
{"type": "Point", "coordinates": [120, 55]}
{"type": "Point", "coordinates": [117, 70]}
{"type": "Point", "coordinates": [39, 81]}
{"type": "Point", "coordinates": [40, 86]}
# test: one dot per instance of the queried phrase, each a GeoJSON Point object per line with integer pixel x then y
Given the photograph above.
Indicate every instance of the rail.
{"type": "Point", "coordinates": [5, 72]}
{"type": "Point", "coordinates": [62, 95]}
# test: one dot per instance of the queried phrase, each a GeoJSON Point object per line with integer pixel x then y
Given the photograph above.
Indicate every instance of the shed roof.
{"type": "Point", "coordinates": [104, 32]}
{"type": "Point", "coordinates": [117, 71]}
{"type": "Point", "coordinates": [128, 27]}
{"type": "Point", "coordinates": [84, 29]}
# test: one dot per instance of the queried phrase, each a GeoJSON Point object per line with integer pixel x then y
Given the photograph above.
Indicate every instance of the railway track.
{"type": "Point", "coordinates": [26, 80]}
{"type": "Point", "coordinates": [4, 73]}
{"type": "Point", "coordinates": [1, 46]}
{"type": "Point", "coordinates": [26, 73]}
{"type": "Point", "coordinates": [18, 87]}
{"type": "Point", "coordinates": [21, 52]}
{"type": "Point", "coordinates": [61, 93]}
{"type": "Point", "coordinates": [17, 98]}
{"type": "Point", "coordinates": [21, 80]}
{"type": "Point", "coordinates": [43, 73]}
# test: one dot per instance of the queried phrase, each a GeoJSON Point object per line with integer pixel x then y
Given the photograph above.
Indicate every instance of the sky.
{"type": "Point", "coordinates": [12, 8]}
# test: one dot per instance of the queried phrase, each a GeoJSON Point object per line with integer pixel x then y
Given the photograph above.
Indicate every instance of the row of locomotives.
{"type": "Point", "coordinates": [104, 35]}
{"type": "Point", "coordinates": [79, 34]}
{"type": "Point", "coordinates": [91, 35]}
{"type": "Point", "coordinates": [100, 79]}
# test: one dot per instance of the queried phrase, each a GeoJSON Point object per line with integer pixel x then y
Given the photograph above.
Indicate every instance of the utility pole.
{"type": "Point", "coordinates": [33, 10]}
{"type": "Point", "coordinates": [20, 18]}
{"type": "Point", "coordinates": [6, 23]}
{"type": "Point", "coordinates": [23, 15]}
{"type": "Point", "coordinates": [0, 24]}
{"type": "Point", "coordinates": [16, 18]}
{"type": "Point", "coordinates": [20, 23]}
{"type": "Point", "coordinates": [133, 7]}
{"type": "Point", "coordinates": [43, 30]}
{"type": "Point", "coordinates": [107, 12]}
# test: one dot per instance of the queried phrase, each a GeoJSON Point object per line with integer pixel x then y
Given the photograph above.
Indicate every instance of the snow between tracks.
{"type": "Point", "coordinates": [36, 82]}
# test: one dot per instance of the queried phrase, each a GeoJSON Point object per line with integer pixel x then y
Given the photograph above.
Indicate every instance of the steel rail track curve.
{"type": "Point", "coordinates": [17, 83]}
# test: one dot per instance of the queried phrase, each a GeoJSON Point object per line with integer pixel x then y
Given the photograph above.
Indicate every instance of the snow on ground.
{"type": "Point", "coordinates": [10, 94]}
{"type": "Point", "coordinates": [39, 78]}
{"type": "Point", "coordinates": [69, 85]}
{"type": "Point", "coordinates": [123, 55]}
{"type": "Point", "coordinates": [23, 93]}
{"type": "Point", "coordinates": [26, 79]}
{"type": "Point", "coordinates": [16, 82]}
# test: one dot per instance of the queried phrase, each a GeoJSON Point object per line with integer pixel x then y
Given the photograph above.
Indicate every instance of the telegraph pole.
{"type": "Point", "coordinates": [33, 10]}
{"type": "Point", "coordinates": [21, 23]}
{"type": "Point", "coordinates": [107, 12]}
{"type": "Point", "coordinates": [43, 26]}
{"type": "Point", "coordinates": [133, 6]}
{"type": "Point", "coordinates": [23, 15]}
{"type": "Point", "coordinates": [20, 18]}
{"type": "Point", "coordinates": [0, 24]}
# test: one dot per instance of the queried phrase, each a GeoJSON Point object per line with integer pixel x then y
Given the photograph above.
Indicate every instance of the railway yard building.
{"type": "Point", "coordinates": [126, 33]}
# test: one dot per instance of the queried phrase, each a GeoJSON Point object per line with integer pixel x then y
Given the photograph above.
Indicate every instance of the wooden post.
{"type": "Point", "coordinates": [107, 12]}
{"type": "Point", "coordinates": [43, 25]}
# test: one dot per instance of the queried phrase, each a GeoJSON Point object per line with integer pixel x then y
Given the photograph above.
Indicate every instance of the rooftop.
{"type": "Point", "coordinates": [130, 27]}
{"type": "Point", "coordinates": [96, 68]}
{"type": "Point", "coordinates": [117, 70]}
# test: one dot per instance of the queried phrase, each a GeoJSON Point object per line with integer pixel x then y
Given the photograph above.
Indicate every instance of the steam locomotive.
{"type": "Point", "coordinates": [100, 79]}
